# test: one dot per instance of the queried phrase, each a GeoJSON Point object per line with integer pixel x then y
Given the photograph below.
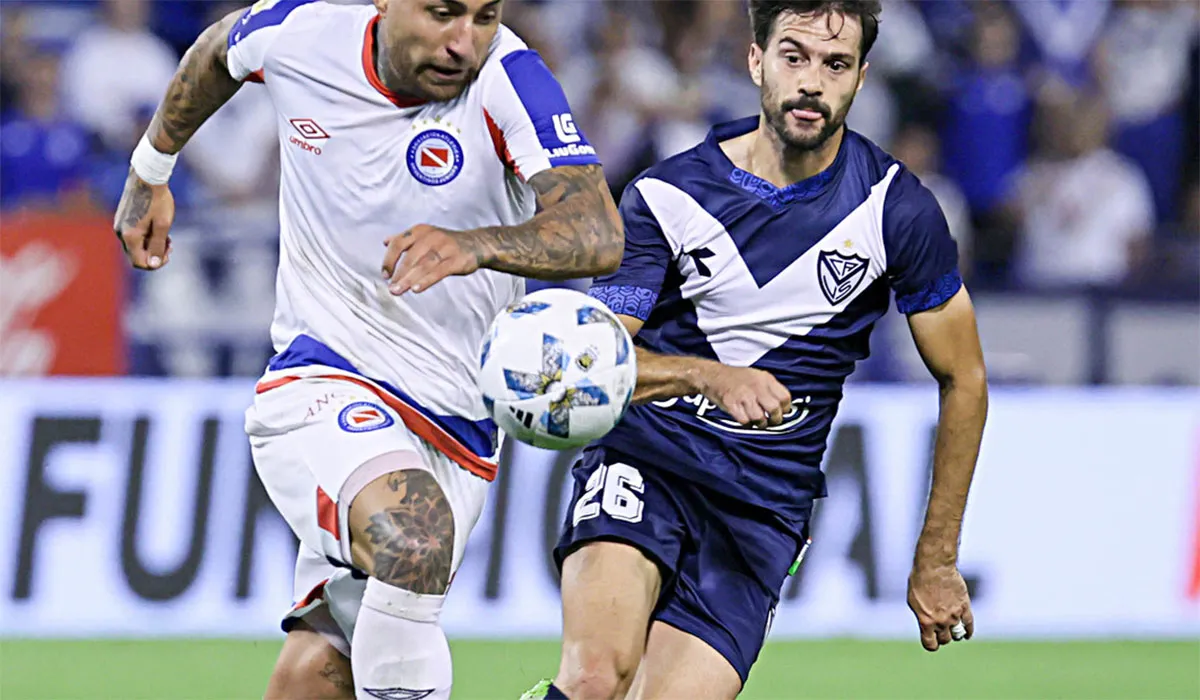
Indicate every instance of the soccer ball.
{"type": "Point", "coordinates": [557, 369]}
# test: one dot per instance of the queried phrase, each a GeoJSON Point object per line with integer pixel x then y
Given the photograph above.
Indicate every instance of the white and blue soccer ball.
{"type": "Point", "coordinates": [557, 369]}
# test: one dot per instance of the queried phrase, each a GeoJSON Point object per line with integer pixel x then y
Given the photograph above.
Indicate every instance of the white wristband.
{"type": "Point", "coordinates": [151, 165]}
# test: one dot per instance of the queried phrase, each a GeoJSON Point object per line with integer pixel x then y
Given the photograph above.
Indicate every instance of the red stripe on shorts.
{"type": "Point", "coordinates": [413, 419]}
{"type": "Point", "coordinates": [327, 514]}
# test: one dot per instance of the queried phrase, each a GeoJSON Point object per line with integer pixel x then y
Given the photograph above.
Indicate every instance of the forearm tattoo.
{"type": "Point", "coordinates": [576, 233]}
{"type": "Point", "coordinates": [134, 205]}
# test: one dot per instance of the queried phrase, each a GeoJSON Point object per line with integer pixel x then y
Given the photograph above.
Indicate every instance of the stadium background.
{"type": "Point", "coordinates": [139, 557]}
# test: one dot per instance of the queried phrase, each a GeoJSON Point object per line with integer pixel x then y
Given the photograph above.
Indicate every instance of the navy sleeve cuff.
{"type": "Point", "coordinates": [932, 295]}
{"type": "Point", "coordinates": [626, 300]}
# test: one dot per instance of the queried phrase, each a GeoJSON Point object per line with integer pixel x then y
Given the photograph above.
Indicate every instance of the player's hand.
{"type": "Point", "coordinates": [426, 255]}
{"type": "Point", "coordinates": [938, 597]}
{"type": "Point", "coordinates": [143, 222]}
{"type": "Point", "coordinates": [750, 396]}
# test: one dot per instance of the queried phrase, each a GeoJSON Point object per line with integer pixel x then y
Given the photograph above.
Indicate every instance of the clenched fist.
{"type": "Point", "coordinates": [937, 595]}
{"type": "Point", "coordinates": [143, 222]}
{"type": "Point", "coordinates": [750, 396]}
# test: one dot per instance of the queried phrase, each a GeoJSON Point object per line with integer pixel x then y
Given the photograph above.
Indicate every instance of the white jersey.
{"type": "Point", "coordinates": [359, 164]}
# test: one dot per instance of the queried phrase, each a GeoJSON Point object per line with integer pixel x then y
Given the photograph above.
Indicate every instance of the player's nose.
{"type": "Point", "coordinates": [810, 82]}
{"type": "Point", "coordinates": [461, 43]}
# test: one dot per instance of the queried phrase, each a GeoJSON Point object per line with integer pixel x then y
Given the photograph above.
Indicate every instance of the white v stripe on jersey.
{"type": "Point", "coordinates": [745, 321]}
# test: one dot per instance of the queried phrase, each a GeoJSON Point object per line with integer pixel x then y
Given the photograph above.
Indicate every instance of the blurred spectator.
{"type": "Point", "coordinates": [1191, 114]}
{"type": "Point", "coordinates": [986, 127]}
{"type": "Point", "coordinates": [115, 68]}
{"type": "Point", "coordinates": [667, 87]}
{"type": "Point", "coordinates": [904, 62]}
{"type": "Point", "coordinates": [591, 81]}
{"type": "Point", "coordinates": [918, 148]}
{"type": "Point", "coordinates": [1143, 66]}
{"type": "Point", "coordinates": [43, 155]}
{"type": "Point", "coordinates": [13, 50]}
{"type": "Point", "coordinates": [949, 21]}
{"type": "Point", "coordinates": [1086, 213]}
{"type": "Point", "coordinates": [1064, 33]}
{"type": "Point", "coordinates": [245, 126]}
{"type": "Point", "coordinates": [110, 168]}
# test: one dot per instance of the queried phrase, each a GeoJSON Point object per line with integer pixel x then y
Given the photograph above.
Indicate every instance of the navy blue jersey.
{"type": "Point", "coordinates": [724, 265]}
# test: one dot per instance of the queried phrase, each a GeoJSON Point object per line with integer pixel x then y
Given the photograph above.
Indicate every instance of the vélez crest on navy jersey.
{"type": "Point", "coordinates": [721, 264]}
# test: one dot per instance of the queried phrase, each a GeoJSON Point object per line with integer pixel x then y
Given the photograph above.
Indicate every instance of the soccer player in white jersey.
{"type": "Point", "coordinates": [755, 266]}
{"type": "Point", "coordinates": [430, 161]}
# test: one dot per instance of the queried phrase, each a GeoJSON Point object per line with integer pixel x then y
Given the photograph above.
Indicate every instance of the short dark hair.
{"type": "Point", "coordinates": [763, 14]}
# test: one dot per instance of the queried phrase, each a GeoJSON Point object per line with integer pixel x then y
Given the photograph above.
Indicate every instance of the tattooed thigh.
{"type": "Point", "coordinates": [402, 531]}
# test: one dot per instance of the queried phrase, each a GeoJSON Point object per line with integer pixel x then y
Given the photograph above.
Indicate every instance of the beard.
{"type": "Point", "coordinates": [406, 76]}
{"type": "Point", "coordinates": [776, 113]}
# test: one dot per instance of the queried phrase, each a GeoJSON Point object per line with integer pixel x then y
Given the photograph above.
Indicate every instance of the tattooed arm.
{"type": "Point", "coordinates": [577, 232]}
{"type": "Point", "coordinates": [200, 86]}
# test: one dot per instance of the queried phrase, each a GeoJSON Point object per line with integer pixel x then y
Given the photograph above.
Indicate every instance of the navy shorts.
{"type": "Point", "coordinates": [723, 562]}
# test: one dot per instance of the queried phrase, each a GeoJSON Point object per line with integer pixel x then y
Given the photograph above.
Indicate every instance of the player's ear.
{"type": "Point", "coordinates": [381, 5]}
{"type": "Point", "coordinates": [862, 77]}
{"type": "Point", "coordinates": [755, 60]}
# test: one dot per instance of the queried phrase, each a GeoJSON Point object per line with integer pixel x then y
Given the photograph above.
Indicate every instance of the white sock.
{"type": "Point", "coordinates": [399, 651]}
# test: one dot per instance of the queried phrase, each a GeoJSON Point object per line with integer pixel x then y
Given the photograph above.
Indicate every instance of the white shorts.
{"type": "Point", "coordinates": [310, 430]}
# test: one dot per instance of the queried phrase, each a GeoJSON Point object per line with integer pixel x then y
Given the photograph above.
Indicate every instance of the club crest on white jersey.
{"type": "Point", "coordinates": [435, 157]}
{"type": "Point", "coordinates": [363, 417]}
{"type": "Point", "coordinates": [360, 163]}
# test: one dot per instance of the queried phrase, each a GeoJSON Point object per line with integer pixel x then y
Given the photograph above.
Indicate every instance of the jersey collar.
{"type": "Point", "coordinates": [368, 59]}
{"type": "Point", "coordinates": [777, 197]}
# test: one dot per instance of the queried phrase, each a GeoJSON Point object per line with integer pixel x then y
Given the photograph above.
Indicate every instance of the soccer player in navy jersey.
{"type": "Point", "coordinates": [755, 267]}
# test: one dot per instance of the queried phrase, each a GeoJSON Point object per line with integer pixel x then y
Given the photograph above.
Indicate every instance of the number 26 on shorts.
{"type": "Point", "coordinates": [619, 486]}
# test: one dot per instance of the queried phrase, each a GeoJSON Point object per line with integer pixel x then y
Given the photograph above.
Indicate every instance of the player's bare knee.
{"type": "Point", "coordinates": [402, 532]}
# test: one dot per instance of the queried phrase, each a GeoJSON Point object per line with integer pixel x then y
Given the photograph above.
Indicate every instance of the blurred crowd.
{"type": "Point", "coordinates": [1060, 136]}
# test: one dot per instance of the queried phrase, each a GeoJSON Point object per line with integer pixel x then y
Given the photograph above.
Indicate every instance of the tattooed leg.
{"type": "Point", "coordinates": [402, 535]}
{"type": "Point", "coordinates": [402, 532]}
{"type": "Point", "coordinates": [309, 667]}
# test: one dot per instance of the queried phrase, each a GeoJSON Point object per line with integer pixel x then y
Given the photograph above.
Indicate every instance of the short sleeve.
{"type": "Point", "coordinates": [530, 120]}
{"type": "Point", "coordinates": [254, 33]}
{"type": "Point", "coordinates": [634, 288]}
{"type": "Point", "coordinates": [922, 255]}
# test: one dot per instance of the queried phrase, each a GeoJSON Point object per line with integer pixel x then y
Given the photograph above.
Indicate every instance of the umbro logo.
{"type": "Point", "coordinates": [311, 131]}
{"type": "Point", "coordinates": [398, 693]}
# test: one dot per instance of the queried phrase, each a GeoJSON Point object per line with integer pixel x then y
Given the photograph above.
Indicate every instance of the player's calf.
{"type": "Point", "coordinates": [402, 535]}
{"type": "Point", "coordinates": [309, 667]}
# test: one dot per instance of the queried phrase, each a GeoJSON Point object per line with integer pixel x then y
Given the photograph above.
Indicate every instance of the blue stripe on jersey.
{"type": "Point", "coordinates": [544, 102]}
{"type": "Point", "coordinates": [626, 299]}
{"type": "Point", "coordinates": [264, 13]}
{"type": "Point", "coordinates": [305, 351]}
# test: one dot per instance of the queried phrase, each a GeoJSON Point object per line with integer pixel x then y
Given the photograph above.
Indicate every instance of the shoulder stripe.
{"type": "Point", "coordinates": [264, 13]}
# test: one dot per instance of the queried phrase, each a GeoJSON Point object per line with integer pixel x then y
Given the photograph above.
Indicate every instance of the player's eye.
{"type": "Point", "coordinates": [838, 66]}
{"type": "Point", "coordinates": [486, 17]}
{"type": "Point", "coordinates": [793, 59]}
{"type": "Point", "coordinates": [442, 13]}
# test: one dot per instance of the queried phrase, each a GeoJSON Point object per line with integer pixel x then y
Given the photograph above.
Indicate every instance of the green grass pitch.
{"type": "Point", "coordinates": [225, 670]}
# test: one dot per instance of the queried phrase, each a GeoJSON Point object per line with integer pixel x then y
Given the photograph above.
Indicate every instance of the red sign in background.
{"type": "Point", "coordinates": [61, 295]}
